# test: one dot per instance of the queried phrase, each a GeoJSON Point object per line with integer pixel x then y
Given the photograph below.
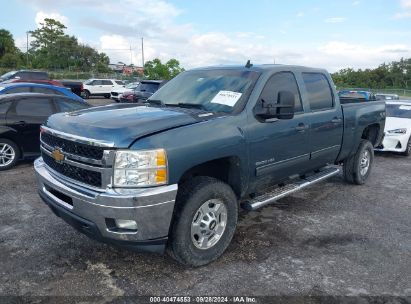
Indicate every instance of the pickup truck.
{"type": "Point", "coordinates": [173, 173]}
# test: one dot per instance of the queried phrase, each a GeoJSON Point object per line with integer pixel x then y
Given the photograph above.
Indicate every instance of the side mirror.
{"type": "Point", "coordinates": [286, 103]}
{"type": "Point", "coordinates": [283, 109]}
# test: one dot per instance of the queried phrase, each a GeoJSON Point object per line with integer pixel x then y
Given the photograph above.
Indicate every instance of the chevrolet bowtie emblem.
{"type": "Point", "coordinates": [58, 155]}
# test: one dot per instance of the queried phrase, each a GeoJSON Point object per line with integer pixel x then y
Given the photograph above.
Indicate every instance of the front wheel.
{"type": "Point", "coordinates": [407, 151]}
{"type": "Point", "coordinates": [357, 167]}
{"type": "Point", "coordinates": [9, 154]}
{"type": "Point", "coordinates": [204, 221]}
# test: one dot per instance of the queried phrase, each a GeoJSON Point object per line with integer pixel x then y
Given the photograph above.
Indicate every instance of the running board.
{"type": "Point", "coordinates": [288, 189]}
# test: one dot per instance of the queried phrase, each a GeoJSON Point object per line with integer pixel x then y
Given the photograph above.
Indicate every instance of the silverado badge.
{"type": "Point", "coordinates": [58, 155]}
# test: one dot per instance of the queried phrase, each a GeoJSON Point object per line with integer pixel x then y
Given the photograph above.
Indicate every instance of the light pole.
{"type": "Point", "coordinates": [142, 50]}
{"type": "Point", "coordinates": [27, 47]}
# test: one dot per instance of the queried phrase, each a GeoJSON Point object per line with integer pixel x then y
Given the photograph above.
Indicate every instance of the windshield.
{"type": "Point", "coordinates": [7, 75]}
{"type": "Point", "coordinates": [399, 111]}
{"type": "Point", "coordinates": [211, 90]}
{"type": "Point", "coordinates": [132, 85]}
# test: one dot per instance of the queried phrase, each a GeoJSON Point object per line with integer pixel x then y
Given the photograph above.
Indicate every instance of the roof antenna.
{"type": "Point", "coordinates": [248, 64]}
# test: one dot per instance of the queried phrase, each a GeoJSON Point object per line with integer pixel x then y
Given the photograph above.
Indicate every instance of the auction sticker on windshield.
{"type": "Point", "coordinates": [227, 98]}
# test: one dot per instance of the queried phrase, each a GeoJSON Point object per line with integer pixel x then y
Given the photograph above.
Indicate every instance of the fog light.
{"type": "Point", "coordinates": [126, 224]}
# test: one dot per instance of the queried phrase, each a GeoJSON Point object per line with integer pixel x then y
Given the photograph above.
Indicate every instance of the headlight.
{"type": "Point", "coordinates": [397, 131]}
{"type": "Point", "coordinates": [140, 168]}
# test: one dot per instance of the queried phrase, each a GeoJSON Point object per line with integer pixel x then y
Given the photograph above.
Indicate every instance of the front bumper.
{"type": "Point", "coordinates": [93, 213]}
{"type": "Point", "coordinates": [394, 143]}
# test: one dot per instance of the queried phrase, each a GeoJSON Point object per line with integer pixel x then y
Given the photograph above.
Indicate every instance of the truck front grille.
{"type": "Point", "coordinates": [73, 147]}
{"type": "Point", "coordinates": [88, 177]}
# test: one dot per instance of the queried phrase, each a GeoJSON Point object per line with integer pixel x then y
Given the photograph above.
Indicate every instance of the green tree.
{"type": "Point", "coordinates": [7, 43]}
{"type": "Point", "coordinates": [155, 69]}
{"type": "Point", "coordinates": [53, 49]}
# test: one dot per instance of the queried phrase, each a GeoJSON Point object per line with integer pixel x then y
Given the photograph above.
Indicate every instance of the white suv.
{"type": "Point", "coordinates": [100, 87]}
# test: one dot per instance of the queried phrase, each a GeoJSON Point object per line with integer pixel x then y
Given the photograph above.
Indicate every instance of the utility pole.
{"type": "Point", "coordinates": [142, 50]}
{"type": "Point", "coordinates": [27, 51]}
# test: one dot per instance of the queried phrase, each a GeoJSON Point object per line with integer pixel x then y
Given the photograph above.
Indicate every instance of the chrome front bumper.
{"type": "Point", "coordinates": [150, 208]}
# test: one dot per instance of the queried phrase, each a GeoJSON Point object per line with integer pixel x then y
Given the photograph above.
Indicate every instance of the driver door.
{"type": "Point", "coordinates": [278, 149]}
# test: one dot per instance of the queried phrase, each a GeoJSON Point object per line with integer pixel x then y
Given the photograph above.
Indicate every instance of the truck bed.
{"type": "Point", "coordinates": [357, 116]}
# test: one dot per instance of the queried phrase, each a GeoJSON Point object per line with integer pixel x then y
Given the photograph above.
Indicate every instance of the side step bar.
{"type": "Point", "coordinates": [288, 189]}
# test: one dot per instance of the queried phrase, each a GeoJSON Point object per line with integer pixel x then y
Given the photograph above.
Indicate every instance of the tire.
{"type": "Point", "coordinates": [357, 168]}
{"type": "Point", "coordinates": [407, 151]}
{"type": "Point", "coordinates": [9, 154]}
{"type": "Point", "coordinates": [188, 225]}
{"type": "Point", "coordinates": [86, 94]}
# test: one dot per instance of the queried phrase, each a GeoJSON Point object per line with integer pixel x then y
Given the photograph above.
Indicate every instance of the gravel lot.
{"type": "Point", "coordinates": [332, 239]}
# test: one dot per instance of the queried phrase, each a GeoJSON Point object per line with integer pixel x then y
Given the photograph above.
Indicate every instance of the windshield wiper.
{"type": "Point", "coordinates": [187, 105]}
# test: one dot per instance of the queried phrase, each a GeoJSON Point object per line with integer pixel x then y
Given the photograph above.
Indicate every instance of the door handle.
{"type": "Point", "coordinates": [336, 120]}
{"type": "Point", "coordinates": [301, 127]}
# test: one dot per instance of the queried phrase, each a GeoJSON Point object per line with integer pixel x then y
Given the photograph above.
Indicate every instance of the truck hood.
{"type": "Point", "coordinates": [392, 123]}
{"type": "Point", "coordinates": [120, 124]}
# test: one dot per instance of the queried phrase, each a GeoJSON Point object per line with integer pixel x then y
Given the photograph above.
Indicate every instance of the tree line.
{"type": "Point", "coordinates": [51, 49]}
{"type": "Point", "coordinates": [394, 75]}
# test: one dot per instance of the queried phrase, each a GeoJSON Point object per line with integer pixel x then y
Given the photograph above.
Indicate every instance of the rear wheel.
{"type": "Point", "coordinates": [407, 151]}
{"type": "Point", "coordinates": [86, 94]}
{"type": "Point", "coordinates": [204, 222]}
{"type": "Point", "coordinates": [9, 154]}
{"type": "Point", "coordinates": [357, 168]}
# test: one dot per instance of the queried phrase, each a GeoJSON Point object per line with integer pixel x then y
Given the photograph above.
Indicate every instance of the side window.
{"type": "Point", "coordinates": [283, 81]}
{"type": "Point", "coordinates": [69, 105]}
{"type": "Point", "coordinates": [43, 90]}
{"type": "Point", "coordinates": [107, 82]}
{"type": "Point", "coordinates": [119, 82]}
{"type": "Point", "coordinates": [18, 90]}
{"type": "Point", "coordinates": [37, 107]}
{"type": "Point", "coordinates": [96, 82]}
{"type": "Point", "coordinates": [4, 107]}
{"type": "Point", "coordinates": [319, 91]}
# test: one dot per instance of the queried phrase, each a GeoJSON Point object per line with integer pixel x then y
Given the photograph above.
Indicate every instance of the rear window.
{"type": "Point", "coordinates": [66, 105]}
{"type": "Point", "coordinates": [33, 75]}
{"type": "Point", "coordinates": [119, 82]}
{"type": "Point", "coordinates": [319, 91]}
{"type": "Point", "coordinates": [46, 91]}
{"type": "Point", "coordinates": [148, 87]}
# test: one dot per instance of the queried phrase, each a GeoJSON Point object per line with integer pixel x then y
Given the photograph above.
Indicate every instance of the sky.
{"type": "Point", "coordinates": [331, 34]}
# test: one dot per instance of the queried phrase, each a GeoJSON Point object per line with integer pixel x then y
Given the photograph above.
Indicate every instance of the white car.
{"type": "Point", "coordinates": [397, 135]}
{"type": "Point", "coordinates": [100, 87]}
{"type": "Point", "coordinates": [115, 94]}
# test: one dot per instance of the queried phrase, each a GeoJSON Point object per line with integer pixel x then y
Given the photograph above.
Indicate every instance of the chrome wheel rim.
{"type": "Point", "coordinates": [365, 163]}
{"type": "Point", "coordinates": [7, 154]}
{"type": "Point", "coordinates": [208, 224]}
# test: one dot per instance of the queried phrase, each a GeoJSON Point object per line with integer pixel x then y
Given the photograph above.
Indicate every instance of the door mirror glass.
{"type": "Point", "coordinates": [285, 107]}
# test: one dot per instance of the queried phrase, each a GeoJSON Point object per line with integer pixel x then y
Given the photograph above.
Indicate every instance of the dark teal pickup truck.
{"type": "Point", "coordinates": [174, 172]}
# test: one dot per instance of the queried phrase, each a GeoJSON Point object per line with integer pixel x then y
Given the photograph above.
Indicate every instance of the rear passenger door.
{"type": "Point", "coordinates": [107, 86]}
{"type": "Point", "coordinates": [26, 116]}
{"type": "Point", "coordinates": [325, 117]}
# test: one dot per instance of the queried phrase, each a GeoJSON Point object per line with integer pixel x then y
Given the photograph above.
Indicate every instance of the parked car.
{"type": "Point", "coordinates": [21, 116]}
{"type": "Point", "coordinates": [349, 96]}
{"type": "Point", "coordinates": [28, 76]}
{"type": "Point", "coordinates": [116, 94]}
{"type": "Point", "coordinates": [75, 86]}
{"type": "Point", "coordinates": [100, 87]}
{"type": "Point", "coordinates": [146, 89]}
{"type": "Point", "coordinates": [381, 96]}
{"type": "Point", "coordinates": [397, 128]}
{"type": "Point", "coordinates": [12, 88]}
{"type": "Point", "coordinates": [172, 173]}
